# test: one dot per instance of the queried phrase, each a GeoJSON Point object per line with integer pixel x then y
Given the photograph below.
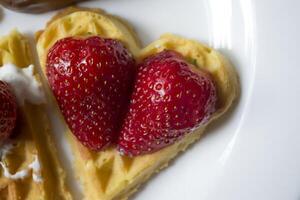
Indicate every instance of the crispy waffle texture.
{"type": "Point", "coordinates": [107, 175]}
{"type": "Point", "coordinates": [32, 139]}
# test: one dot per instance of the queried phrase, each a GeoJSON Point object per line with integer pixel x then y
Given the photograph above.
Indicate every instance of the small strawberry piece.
{"type": "Point", "coordinates": [8, 111]}
{"type": "Point", "coordinates": [92, 80]}
{"type": "Point", "coordinates": [169, 100]}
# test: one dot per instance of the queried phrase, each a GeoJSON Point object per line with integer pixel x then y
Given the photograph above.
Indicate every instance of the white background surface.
{"type": "Point", "coordinates": [252, 153]}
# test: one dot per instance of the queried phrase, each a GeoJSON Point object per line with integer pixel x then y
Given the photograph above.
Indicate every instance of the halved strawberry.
{"type": "Point", "coordinates": [169, 100]}
{"type": "Point", "coordinates": [8, 111]}
{"type": "Point", "coordinates": [92, 80]}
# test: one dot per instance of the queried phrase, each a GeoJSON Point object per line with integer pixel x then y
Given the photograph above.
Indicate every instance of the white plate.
{"type": "Point", "coordinates": [253, 152]}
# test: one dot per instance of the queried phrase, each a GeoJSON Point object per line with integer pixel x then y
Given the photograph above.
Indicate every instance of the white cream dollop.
{"type": "Point", "coordinates": [36, 170]}
{"type": "Point", "coordinates": [35, 166]}
{"type": "Point", "coordinates": [23, 82]}
{"type": "Point", "coordinates": [18, 175]}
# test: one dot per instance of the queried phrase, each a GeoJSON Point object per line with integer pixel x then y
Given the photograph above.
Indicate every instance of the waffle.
{"type": "Point", "coordinates": [31, 142]}
{"type": "Point", "coordinates": [107, 175]}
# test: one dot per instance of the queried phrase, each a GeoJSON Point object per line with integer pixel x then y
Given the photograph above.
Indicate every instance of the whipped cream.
{"type": "Point", "coordinates": [18, 175]}
{"type": "Point", "coordinates": [36, 170]}
{"type": "Point", "coordinates": [35, 166]}
{"type": "Point", "coordinates": [23, 83]}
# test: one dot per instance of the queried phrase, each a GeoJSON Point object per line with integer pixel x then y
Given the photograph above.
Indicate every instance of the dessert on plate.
{"type": "Point", "coordinates": [36, 6]}
{"type": "Point", "coordinates": [29, 167]}
{"type": "Point", "coordinates": [130, 110]}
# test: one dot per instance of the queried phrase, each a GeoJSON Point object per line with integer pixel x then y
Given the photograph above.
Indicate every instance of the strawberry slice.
{"type": "Point", "coordinates": [92, 80]}
{"type": "Point", "coordinates": [8, 111]}
{"type": "Point", "coordinates": [169, 100]}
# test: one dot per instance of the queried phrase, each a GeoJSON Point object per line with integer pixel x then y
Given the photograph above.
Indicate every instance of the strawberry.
{"type": "Point", "coordinates": [169, 100]}
{"type": "Point", "coordinates": [8, 111]}
{"type": "Point", "coordinates": [92, 80]}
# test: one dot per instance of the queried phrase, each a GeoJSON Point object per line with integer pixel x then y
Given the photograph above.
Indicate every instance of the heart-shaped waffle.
{"type": "Point", "coordinates": [106, 174]}
{"type": "Point", "coordinates": [29, 165]}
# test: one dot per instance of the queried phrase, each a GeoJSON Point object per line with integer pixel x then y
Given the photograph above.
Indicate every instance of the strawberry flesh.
{"type": "Point", "coordinates": [92, 80]}
{"type": "Point", "coordinates": [8, 111]}
{"type": "Point", "coordinates": [169, 100]}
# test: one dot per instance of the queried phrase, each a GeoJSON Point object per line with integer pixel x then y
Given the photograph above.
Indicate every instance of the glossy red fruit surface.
{"type": "Point", "coordinates": [169, 100]}
{"type": "Point", "coordinates": [92, 81]}
{"type": "Point", "coordinates": [8, 111]}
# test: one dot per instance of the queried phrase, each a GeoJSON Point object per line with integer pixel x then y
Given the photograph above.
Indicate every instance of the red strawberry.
{"type": "Point", "coordinates": [8, 111]}
{"type": "Point", "coordinates": [92, 80]}
{"type": "Point", "coordinates": [168, 101]}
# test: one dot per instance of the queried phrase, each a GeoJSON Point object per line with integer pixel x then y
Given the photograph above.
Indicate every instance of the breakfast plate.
{"type": "Point", "coordinates": [250, 152]}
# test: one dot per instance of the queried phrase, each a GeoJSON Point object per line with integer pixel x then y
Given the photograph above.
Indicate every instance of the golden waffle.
{"type": "Point", "coordinates": [107, 175]}
{"type": "Point", "coordinates": [32, 140]}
